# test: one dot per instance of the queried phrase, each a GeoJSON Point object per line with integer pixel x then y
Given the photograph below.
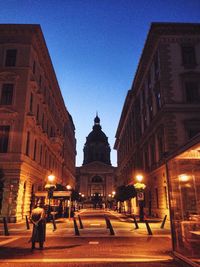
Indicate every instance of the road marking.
{"type": "Point", "coordinates": [95, 224]}
{"type": "Point", "coordinates": [93, 242]}
{"type": "Point", "coordinates": [8, 241]}
{"type": "Point", "coordinates": [141, 259]}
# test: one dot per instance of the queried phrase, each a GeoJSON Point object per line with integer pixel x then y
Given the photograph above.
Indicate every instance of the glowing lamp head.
{"type": "Point", "coordinates": [113, 193]}
{"type": "Point", "coordinates": [183, 177]}
{"type": "Point", "coordinates": [68, 187]}
{"type": "Point", "coordinates": [51, 178]}
{"type": "Point", "coordinates": [139, 177]}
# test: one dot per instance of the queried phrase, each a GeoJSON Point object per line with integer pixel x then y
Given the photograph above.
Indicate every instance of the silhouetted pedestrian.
{"type": "Point", "coordinates": [39, 226]}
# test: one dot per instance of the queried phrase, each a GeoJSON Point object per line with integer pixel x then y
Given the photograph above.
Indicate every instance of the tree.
{"type": "Point", "coordinates": [130, 191]}
{"type": "Point", "coordinates": [60, 187]}
{"type": "Point", "coordinates": [124, 192]}
{"type": "Point", "coordinates": [75, 195]}
{"type": "Point", "coordinates": [120, 193]}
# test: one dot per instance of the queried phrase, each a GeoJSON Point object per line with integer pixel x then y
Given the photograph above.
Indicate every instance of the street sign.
{"type": "Point", "coordinates": [41, 194]}
{"type": "Point", "coordinates": [61, 193]}
{"type": "Point", "coordinates": [55, 194]}
{"type": "Point", "coordinates": [140, 196]}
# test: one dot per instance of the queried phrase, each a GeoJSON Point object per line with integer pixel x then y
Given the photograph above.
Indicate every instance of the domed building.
{"type": "Point", "coordinates": [96, 177]}
{"type": "Point", "coordinates": [97, 147]}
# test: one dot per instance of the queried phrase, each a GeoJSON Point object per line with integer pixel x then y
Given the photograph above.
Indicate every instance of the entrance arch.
{"type": "Point", "coordinates": [97, 186]}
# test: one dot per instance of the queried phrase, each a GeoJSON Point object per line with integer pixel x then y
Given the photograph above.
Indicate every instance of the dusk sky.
{"type": "Point", "coordinates": [95, 47]}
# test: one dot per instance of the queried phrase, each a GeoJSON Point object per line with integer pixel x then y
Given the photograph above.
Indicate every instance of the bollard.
{"type": "Point", "coordinates": [148, 228]}
{"type": "Point", "coordinates": [80, 222]}
{"type": "Point", "coordinates": [76, 227]}
{"type": "Point", "coordinates": [163, 222]}
{"type": "Point", "coordinates": [5, 226]}
{"type": "Point", "coordinates": [135, 222]}
{"type": "Point", "coordinates": [54, 222]}
{"type": "Point", "coordinates": [110, 227]}
{"type": "Point", "coordinates": [106, 219]}
{"type": "Point", "coordinates": [27, 223]}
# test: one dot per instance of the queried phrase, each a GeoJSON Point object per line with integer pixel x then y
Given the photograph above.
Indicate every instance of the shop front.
{"type": "Point", "coordinates": [183, 171]}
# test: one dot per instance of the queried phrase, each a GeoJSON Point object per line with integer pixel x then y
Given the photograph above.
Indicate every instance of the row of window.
{"type": "Point", "coordinates": [7, 89]}
{"type": "Point", "coordinates": [188, 59]}
{"type": "Point", "coordinates": [150, 102]}
{"type": "Point", "coordinates": [35, 108]}
{"type": "Point", "coordinates": [40, 153]}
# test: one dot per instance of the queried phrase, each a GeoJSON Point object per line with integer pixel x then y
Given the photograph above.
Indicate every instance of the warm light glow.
{"type": "Point", "coordinates": [109, 195]}
{"type": "Point", "coordinates": [51, 178]}
{"type": "Point", "coordinates": [68, 187]}
{"type": "Point", "coordinates": [183, 177]}
{"type": "Point", "coordinates": [139, 177]}
{"type": "Point", "coordinates": [82, 195]}
{"type": "Point", "coordinates": [113, 192]}
{"type": "Point", "coordinates": [140, 186]}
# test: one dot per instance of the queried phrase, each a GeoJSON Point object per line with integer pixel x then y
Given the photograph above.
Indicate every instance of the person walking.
{"type": "Point", "coordinates": [39, 225]}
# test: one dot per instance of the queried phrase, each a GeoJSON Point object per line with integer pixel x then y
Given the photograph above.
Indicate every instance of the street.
{"type": "Point", "coordinates": [95, 246]}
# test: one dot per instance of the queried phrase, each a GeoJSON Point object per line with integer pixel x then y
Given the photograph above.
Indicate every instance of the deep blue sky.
{"type": "Point", "coordinates": [95, 46]}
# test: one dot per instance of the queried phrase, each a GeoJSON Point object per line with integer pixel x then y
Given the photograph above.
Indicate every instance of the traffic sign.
{"type": "Point", "coordinates": [140, 196]}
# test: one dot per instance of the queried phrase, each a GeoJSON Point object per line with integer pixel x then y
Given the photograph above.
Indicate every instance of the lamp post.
{"type": "Point", "coordinates": [139, 186]}
{"type": "Point", "coordinates": [69, 188]}
{"type": "Point", "coordinates": [113, 203]}
{"type": "Point", "coordinates": [82, 199]}
{"type": "Point", "coordinates": [50, 186]}
{"type": "Point", "coordinates": [109, 201]}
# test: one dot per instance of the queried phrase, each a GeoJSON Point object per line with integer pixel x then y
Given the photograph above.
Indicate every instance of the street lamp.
{"type": "Point", "coordinates": [50, 187]}
{"type": "Point", "coordinates": [113, 201]}
{"type": "Point", "coordinates": [139, 186]}
{"type": "Point", "coordinates": [69, 188]}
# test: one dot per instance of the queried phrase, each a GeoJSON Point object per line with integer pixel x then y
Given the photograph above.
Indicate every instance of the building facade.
{"type": "Point", "coordinates": [96, 177]}
{"type": "Point", "coordinates": [37, 134]}
{"type": "Point", "coordinates": [161, 111]}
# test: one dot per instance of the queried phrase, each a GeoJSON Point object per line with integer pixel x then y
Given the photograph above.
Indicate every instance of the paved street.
{"type": "Point", "coordinates": [95, 243]}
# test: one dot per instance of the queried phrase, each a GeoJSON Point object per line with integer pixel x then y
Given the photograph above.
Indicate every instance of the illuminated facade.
{"type": "Point", "coordinates": [37, 134]}
{"type": "Point", "coordinates": [97, 175]}
{"type": "Point", "coordinates": [161, 111]}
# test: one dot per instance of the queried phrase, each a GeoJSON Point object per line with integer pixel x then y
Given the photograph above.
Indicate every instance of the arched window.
{"type": "Point", "coordinates": [97, 179]}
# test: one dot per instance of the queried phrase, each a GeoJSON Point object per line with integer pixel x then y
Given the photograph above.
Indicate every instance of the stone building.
{"type": "Point", "coordinates": [37, 134]}
{"type": "Point", "coordinates": [96, 176]}
{"type": "Point", "coordinates": [161, 111]}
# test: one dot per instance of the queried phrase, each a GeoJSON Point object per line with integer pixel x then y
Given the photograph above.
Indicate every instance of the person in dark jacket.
{"type": "Point", "coordinates": [39, 226]}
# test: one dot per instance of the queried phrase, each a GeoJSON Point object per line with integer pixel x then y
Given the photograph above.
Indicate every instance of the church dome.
{"type": "Point", "coordinates": [96, 147]}
{"type": "Point", "coordinates": [97, 135]}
